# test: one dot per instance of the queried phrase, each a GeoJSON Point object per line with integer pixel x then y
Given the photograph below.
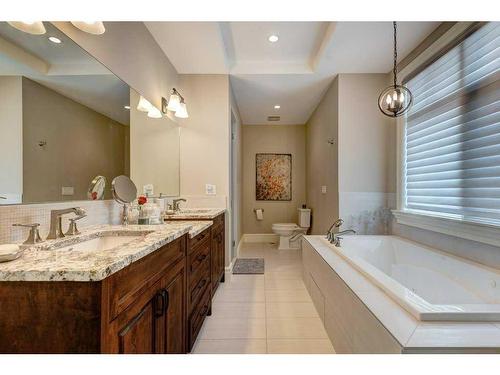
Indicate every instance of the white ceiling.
{"type": "Point", "coordinates": [64, 68]}
{"type": "Point", "coordinates": [293, 72]}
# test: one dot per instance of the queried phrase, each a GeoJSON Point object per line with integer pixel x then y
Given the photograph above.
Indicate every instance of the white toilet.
{"type": "Point", "coordinates": [290, 233]}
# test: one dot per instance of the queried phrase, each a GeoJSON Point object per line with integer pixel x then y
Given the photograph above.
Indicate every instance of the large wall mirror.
{"type": "Point", "coordinates": [65, 119]}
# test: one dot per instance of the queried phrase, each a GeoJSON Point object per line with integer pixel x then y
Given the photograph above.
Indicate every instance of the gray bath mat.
{"type": "Point", "coordinates": [248, 266]}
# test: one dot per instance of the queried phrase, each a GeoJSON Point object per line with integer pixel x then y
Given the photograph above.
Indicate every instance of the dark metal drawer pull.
{"type": "Point", "coordinates": [201, 258]}
{"type": "Point", "coordinates": [201, 284]}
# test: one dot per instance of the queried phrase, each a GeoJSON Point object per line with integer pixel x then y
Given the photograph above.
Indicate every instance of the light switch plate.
{"type": "Point", "coordinates": [67, 190]}
{"type": "Point", "coordinates": [323, 189]}
{"type": "Point", "coordinates": [210, 189]}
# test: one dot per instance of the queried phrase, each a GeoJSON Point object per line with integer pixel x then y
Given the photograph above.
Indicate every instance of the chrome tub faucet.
{"type": "Point", "coordinates": [334, 238]}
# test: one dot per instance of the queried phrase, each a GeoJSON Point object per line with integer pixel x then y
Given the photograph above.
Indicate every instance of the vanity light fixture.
{"type": "Point", "coordinates": [396, 99]}
{"type": "Point", "coordinates": [154, 112]}
{"type": "Point", "coordinates": [34, 28]}
{"type": "Point", "coordinates": [273, 38]}
{"type": "Point", "coordinates": [174, 101]}
{"type": "Point", "coordinates": [182, 110]}
{"type": "Point", "coordinates": [94, 28]}
{"type": "Point", "coordinates": [144, 105]}
{"type": "Point", "coordinates": [55, 40]}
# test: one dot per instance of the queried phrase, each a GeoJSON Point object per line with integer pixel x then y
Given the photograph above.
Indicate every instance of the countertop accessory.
{"type": "Point", "coordinates": [9, 252]}
{"type": "Point", "coordinates": [34, 234]}
{"type": "Point", "coordinates": [124, 192]}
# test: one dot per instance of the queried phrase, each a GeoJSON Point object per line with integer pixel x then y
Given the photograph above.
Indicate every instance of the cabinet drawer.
{"type": "Point", "coordinates": [197, 258]}
{"type": "Point", "coordinates": [198, 316]}
{"type": "Point", "coordinates": [126, 285]}
{"type": "Point", "coordinates": [198, 240]}
{"type": "Point", "coordinates": [198, 286]}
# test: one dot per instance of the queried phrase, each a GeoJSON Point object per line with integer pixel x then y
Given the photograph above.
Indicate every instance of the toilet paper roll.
{"type": "Point", "coordinates": [259, 214]}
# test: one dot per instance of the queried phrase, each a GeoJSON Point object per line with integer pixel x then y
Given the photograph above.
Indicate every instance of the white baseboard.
{"type": "Point", "coordinates": [260, 238]}
{"type": "Point", "coordinates": [229, 268]}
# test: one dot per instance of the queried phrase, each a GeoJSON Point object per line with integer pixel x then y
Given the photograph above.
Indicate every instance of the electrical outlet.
{"type": "Point", "coordinates": [210, 189]}
{"type": "Point", "coordinates": [323, 189]}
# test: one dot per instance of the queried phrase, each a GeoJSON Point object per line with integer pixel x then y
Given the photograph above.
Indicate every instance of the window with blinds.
{"type": "Point", "coordinates": [452, 132]}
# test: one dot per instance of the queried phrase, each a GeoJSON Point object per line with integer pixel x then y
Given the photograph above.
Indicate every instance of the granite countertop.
{"type": "Point", "coordinates": [196, 213]}
{"type": "Point", "coordinates": [196, 226]}
{"type": "Point", "coordinates": [48, 262]}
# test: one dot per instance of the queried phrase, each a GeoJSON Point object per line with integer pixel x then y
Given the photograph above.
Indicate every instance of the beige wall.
{"type": "Point", "coordinates": [81, 144]}
{"type": "Point", "coordinates": [205, 135]}
{"type": "Point", "coordinates": [359, 169]}
{"type": "Point", "coordinates": [282, 139]}
{"type": "Point", "coordinates": [132, 54]}
{"type": "Point", "coordinates": [154, 151]}
{"type": "Point", "coordinates": [322, 161]}
{"type": "Point", "coordinates": [11, 141]}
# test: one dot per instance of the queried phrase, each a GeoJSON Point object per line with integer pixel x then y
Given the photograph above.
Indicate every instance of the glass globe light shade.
{"type": "Point", "coordinates": [395, 101]}
{"type": "Point", "coordinates": [34, 28]}
{"type": "Point", "coordinates": [174, 102]}
{"type": "Point", "coordinates": [144, 105]}
{"type": "Point", "coordinates": [182, 111]}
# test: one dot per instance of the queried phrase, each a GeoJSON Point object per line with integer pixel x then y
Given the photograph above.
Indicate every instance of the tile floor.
{"type": "Point", "coordinates": [271, 313]}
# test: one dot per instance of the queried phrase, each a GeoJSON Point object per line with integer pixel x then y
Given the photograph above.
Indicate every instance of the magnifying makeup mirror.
{"type": "Point", "coordinates": [96, 188]}
{"type": "Point", "coordinates": [124, 192]}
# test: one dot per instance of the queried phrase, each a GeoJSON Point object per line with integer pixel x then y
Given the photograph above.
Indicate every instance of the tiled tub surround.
{"type": "Point", "coordinates": [47, 262]}
{"type": "Point", "coordinates": [98, 212]}
{"type": "Point", "coordinates": [360, 317]}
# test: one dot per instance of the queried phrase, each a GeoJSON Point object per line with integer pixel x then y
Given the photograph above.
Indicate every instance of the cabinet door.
{"type": "Point", "coordinates": [174, 329]}
{"type": "Point", "coordinates": [137, 327]}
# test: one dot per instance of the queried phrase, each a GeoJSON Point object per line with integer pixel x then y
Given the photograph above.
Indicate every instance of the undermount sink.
{"type": "Point", "coordinates": [101, 243]}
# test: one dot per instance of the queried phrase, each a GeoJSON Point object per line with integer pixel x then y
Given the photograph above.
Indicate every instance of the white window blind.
{"type": "Point", "coordinates": [452, 132]}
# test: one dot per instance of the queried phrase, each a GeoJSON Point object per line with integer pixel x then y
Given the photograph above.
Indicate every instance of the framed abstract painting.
{"type": "Point", "coordinates": [273, 179]}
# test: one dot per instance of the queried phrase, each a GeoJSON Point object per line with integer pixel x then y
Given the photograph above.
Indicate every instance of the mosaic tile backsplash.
{"type": "Point", "coordinates": [100, 212]}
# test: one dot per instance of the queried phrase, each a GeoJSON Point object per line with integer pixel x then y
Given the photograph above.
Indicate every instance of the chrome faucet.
{"type": "Point", "coordinates": [336, 224]}
{"type": "Point", "coordinates": [337, 236]}
{"type": "Point", "coordinates": [334, 238]}
{"type": "Point", "coordinates": [176, 203]}
{"type": "Point", "coordinates": [55, 230]}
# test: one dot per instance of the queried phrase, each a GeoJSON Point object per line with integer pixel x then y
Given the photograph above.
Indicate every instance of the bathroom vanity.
{"type": "Point", "coordinates": [128, 291]}
{"type": "Point", "coordinates": [217, 237]}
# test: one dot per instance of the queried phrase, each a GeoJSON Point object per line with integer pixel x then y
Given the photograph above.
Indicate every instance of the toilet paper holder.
{"type": "Point", "coordinates": [255, 209]}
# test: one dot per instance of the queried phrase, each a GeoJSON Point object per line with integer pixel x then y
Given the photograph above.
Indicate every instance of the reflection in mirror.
{"type": "Point", "coordinates": [124, 189]}
{"type": "Point", "coordinates": [97, 188]}
{"type": "Point", "coordinates": [63, 116]}
{"type": "Point", "coordinates": [155, 150]}
{"type": "Point", "coordinates": [65, 119]}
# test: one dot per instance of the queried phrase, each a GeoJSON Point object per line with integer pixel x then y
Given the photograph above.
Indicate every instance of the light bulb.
{"type": "Point", "coordinates": [401, 97]}
{"type": "Point", "coordinates": [388, 99]}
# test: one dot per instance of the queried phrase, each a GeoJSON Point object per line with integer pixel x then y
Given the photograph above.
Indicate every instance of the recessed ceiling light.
{"type": "Point", "coordinates": [55, 40]}
{"type": "Point", "coordinates": [126, 106]}
{"type": "Point", "coordinates": [273, 38]}
{"type": "Point", "coordinates": [277, 106]}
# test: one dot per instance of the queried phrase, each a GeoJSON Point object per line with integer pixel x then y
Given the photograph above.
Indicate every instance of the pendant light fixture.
{"type": "Point", "coordinates": [94, 28]}
{"type": "Point", "coordinates": [34, 28]}
{"type": "Point", "coordinates": [396, 99]}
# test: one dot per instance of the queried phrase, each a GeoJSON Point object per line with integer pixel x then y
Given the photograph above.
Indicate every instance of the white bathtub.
{"type": "Point", "coordinates": [429, 284]}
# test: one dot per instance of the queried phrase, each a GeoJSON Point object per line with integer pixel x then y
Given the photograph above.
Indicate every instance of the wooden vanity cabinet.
{"type": "Point", "coordinates": [199, 290]}
{"type": "Point", "coordinates": [139, 309]}
{"type": "Point", "coordinates": [218, 251]}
